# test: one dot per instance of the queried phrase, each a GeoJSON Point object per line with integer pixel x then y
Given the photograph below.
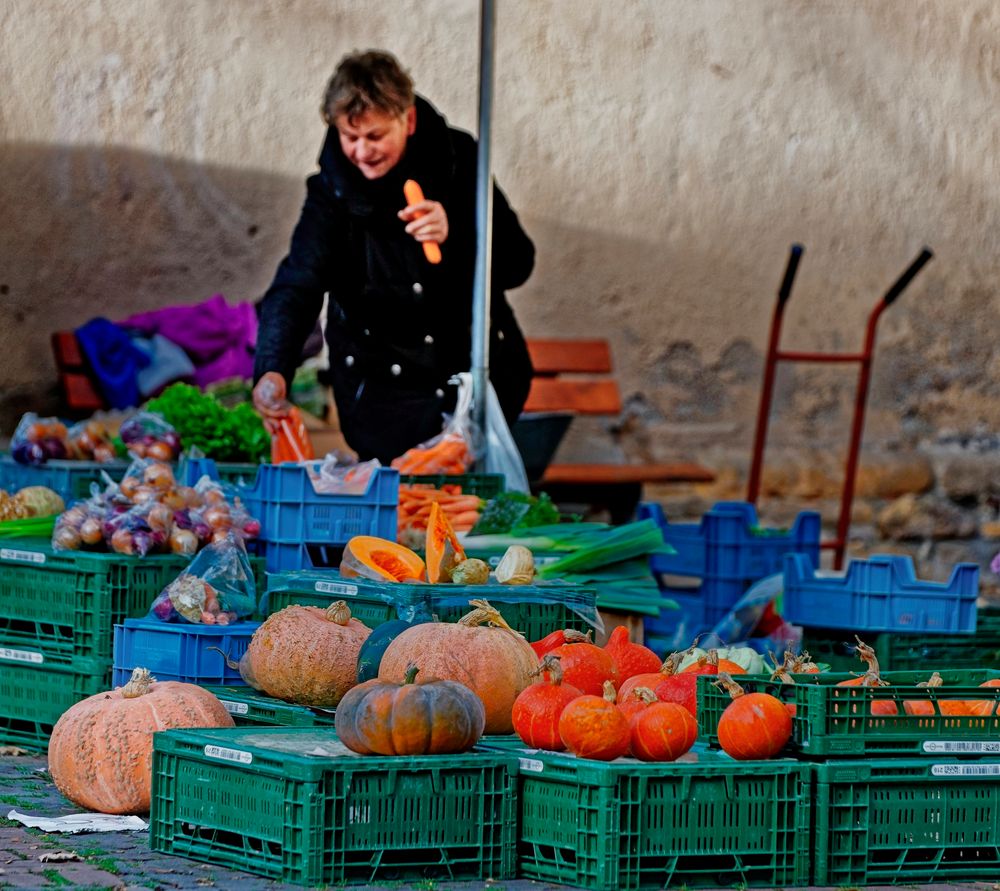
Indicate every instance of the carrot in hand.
{"type": "Point", "coordinates": [414, 195]}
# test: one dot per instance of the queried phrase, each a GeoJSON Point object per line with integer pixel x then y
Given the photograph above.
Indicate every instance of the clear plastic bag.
{"type": "Point", "coordinates": [502, 455]}
{"type": "Point", "coordinates": [455, 448]}
{"type": "Point", "coordinates": [36, 440]}
{"type": "Point", "coordinates": [341, 474]}
{"type": "Point", "coordinates": [218, 587]}
{"type": "Point", "coordinates": [91, 441]}
{"type": "Point", "coordinates": [147, 435]}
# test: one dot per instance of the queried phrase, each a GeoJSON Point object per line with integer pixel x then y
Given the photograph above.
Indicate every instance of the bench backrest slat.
{"type": "Point", "coordinates": [582, 397]}
{"type": "Point", "coordinates": [552, 357]}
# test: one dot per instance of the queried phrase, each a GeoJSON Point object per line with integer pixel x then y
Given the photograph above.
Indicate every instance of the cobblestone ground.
{"type": "Point", "coordinates": [122, 860]}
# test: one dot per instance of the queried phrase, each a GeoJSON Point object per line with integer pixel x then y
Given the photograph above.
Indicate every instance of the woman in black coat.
{"type": "Point", "coordinates": [398, 327]}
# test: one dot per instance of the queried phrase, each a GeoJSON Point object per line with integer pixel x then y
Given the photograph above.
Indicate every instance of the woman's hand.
{"type": "Point", "coordinates": [426, 221]}
{"type": "Point", "coordinates": [269, 400]}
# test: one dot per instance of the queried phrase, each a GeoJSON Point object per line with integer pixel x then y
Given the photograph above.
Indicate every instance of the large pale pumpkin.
{"type": "Point", "coordinates": [481, 651]}
{"type": "Point", "coordinates": [305, 654]}
{"type": "Point", "coordinates": [101, 749]}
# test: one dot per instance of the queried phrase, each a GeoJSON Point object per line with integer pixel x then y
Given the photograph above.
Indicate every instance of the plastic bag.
{"type": "Point", "coordinates": [91, 441]}
{"type": "Point", "coordinates": [502, 455]}
{"type": "Point", "coordinates": [36, 440]}
{"type": "Point", "coordinates": [218, 587]}
{"type": "Point", "coordinates": [341, 474]}
{"type": "Point", "coordinates": [454, 449]}
{"type": "Point", "coordinates": [147, 435]}
{"type": "Point", "coordinates": [291, 442]}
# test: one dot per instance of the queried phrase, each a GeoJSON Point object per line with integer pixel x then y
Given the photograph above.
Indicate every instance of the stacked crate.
{"type": "Point", "coordinates": [715, 562]}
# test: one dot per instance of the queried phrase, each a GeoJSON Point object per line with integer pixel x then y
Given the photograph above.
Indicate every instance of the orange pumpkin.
{"type": "Point", "coordinates": [442, 548]}
{"type": "Point", "coordinates": [480, 650]}
{"type": "Point", "coordinates": [101, 749]}
{"type": "Point", "coordinates": [925, 707]}
{"type": "Point", "coordinates": [306, 655]}
{"type": "Point", "coordinates": [983, 708]}
{"type": "Point", "coordinates": [650, 679]}
{"type": "Point", "coordinates": [754, 725]}
{"type": "Point", "coordinates": [630, 658]}
{"type": "Point", "coordinates": [537, 708]}
{"type": "Point", "coordinates": [380, 560]}
{"type": "Point", "coordinates": [662, 731]}
{"type": "Point", "coordinates": [636, 701]}
{"type": "Point", "coordinates": [586, 666]}
{"type": "Point", "coordinates": [594, 727]}
{"type": "Point", "coordinates": [711, 664]}
{"type": "Point", "coordinates": [435, 718]}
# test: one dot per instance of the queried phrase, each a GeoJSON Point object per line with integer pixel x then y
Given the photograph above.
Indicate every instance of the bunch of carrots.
{"type": "Point", "coordinates": [415, 507]}
{"type": "Point", "coordinates": [450, 454]}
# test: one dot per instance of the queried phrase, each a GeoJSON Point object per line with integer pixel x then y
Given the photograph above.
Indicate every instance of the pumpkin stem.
{"type": "Point", "coordinates": [781, 672]}
{"type": "Point", "coordinates": [801, 663]}
{"type": "Point", "coordinates": [872, 677]}
{"type": "Point", "coordinates": [610, 694]}
{"type": "Point", "coordinates": [673, 662]}
{"type": "Point", "coordinates": [230, 663]}
{"type": "Point", "coordinates": [484, 614]}
{"type": "Point", "coordinates": [935, 681]}
{"type": "Point", "coordinates": [411, 674]}
{"type": "Point", "coordinates": [574, 636]}
{"type": "Point", "coordinates": [645, 694]}
{"type": "Point", "coordinates": [339, 612]}
{"type": "Point", "coordinates": [138, 685]}
{"type": "Point", "coordinates": [725, 682]}
{"type": "Point", "coordinates": [550, 664]}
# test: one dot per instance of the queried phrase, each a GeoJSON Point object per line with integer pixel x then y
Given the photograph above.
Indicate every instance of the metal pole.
{"type": "Point", "coordinates": [484, 223]}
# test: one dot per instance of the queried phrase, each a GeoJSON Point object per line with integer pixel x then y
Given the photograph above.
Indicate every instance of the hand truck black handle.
{"type": "Point", "coordinates": [793, 264]}
{"type": "Point", "coordinates": [923, 258]}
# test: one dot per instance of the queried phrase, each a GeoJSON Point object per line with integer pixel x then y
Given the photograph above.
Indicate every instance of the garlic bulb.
{"type": "Point", "coordinates": [516, 567]}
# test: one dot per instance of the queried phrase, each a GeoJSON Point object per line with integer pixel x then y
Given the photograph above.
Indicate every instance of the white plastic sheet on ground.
{"type": "Point", "coordinates": [81, 823]}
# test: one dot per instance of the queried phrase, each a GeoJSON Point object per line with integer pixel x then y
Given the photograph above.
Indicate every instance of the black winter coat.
{"type": "Point", "coordinates": [397, 326]}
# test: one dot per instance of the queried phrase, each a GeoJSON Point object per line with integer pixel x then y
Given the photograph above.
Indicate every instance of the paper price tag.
{"type": "Point", "coordinates": [961, 747]}
{"type": "Point", "coordinates": [225, 754]}
{"type": "Point", "coordinates": [337, 588]}
{"type": "Point", "coordinates": [22, 556]}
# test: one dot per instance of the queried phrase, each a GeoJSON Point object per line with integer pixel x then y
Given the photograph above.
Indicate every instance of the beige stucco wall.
{"type": "Point", "coordinates": [663, 154]}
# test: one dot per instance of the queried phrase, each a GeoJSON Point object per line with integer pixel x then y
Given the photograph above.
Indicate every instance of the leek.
{"type": "Point", "coordinates": [618, 544]}
{"type": "Point", "coordinates": [31, 527]}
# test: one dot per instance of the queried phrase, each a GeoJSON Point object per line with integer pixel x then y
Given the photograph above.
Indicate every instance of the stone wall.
{"type": "Point", "coordinates": [663, 154]}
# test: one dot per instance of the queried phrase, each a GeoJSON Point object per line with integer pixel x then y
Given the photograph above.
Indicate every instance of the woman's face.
{"type": "Point", "coordinates": [374, 141]}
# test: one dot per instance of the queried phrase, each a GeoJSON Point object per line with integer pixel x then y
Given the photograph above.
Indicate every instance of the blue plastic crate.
{"type": "Point", "coordinates": [173, 651]}
{"type": "Point", "coordinates": [70, 479]}
{"type": "Point", "coordinates": [718, 559]}
{"type": "Point", "coordinates": [880, 594]}
{"type": "Point", "coordinates": [190, 470]}
{"type": "Point", "coordinates": [292, 512]}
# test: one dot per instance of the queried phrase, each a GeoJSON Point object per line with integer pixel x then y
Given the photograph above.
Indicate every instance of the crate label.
{"type": "Point", "coordinates": [337, 588]}
{"type": "Point", "coordinates": [965, 770]}
{"type": "Point", "coordinates": [961, 747]}
{"type": "Point", "coordinates": [228, 754]}
{"type": "Point", "coordinates": [22, 556]}
{"type": "Point", "coordinates": [531, 764]}
{"type": "Point", "coordinates": [235, 708]}
{"type": "Point", "coordinates": [22, 656]}
{"type": "Point", "coordinates": [494, 561]}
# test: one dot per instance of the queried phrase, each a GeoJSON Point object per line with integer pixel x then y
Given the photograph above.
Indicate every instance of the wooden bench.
{"type": "Point", "coordinates": [573, 377]}
{"type": "Point", "coordinates": [76, 383]}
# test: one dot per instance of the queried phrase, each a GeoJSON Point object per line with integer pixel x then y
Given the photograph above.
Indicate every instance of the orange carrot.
{"type": "Point", "coordinates": [414, 195]}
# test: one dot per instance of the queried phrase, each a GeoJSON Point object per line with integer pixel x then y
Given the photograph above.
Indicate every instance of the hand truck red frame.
{"type": "Point", "coordinates": [775, 355]}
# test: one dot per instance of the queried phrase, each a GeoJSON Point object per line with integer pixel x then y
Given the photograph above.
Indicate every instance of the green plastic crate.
{"type": "Point", "coordinates": [485, 485]}
{"type": "Point", "coordinates": [293, 804]}
{"type": "Point", "coordinates": [702, 821]}
{"type": "Point", "coordinates": [832, 721]}
{"type": "Point", "coordinates": [70, 479]}
{"type": "Point", "coordinates": [249, 706]}
{"type": "Point", "coordinates": [906, 821]}
{"type": "Point", "coordinates": [522, 606]}
{"type": "Point", "coordinates": [32, 697]}
{"type": "Point", "coordinates": [911, 652]}
{"type": "Point", "coordinates": [57, 607]}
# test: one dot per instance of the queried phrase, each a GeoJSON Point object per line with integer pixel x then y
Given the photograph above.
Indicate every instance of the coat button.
{"type": "Point", "coordinates": [418, 288]}
{"type": "Point", "coordinates": [396, 370]}
{"type": "Point", "coordinates": [499, 335]}
{"type": "Point", "coordinates": [367, 332]}
{"type": "Point", "coordinates": [349, 361]}
{"type": "Point", "coordinates": [428, 338]}
{"type": "Point", "coordinates": [439, 393]}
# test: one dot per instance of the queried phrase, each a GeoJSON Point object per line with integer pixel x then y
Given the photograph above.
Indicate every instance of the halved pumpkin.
{"type": "Point", "coordinates": [442, 550]}
{"type": "Point", "coordinates": [380, 560]}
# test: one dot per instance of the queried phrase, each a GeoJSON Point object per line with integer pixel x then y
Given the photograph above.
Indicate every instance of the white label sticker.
{"type": "Point", "coordinates": [235, 708]}
{"type": "Point", "coordinates": [965, 770]}
{"type": "Point", "coordinates": [337, 588]}
{"type": "Point", "coordinates": [959, 747]}
{"type": "Point", "coordinates": [494, 561]}
{"type": "Point", "coordinates": [21, 656]}
{"type": "Point", "coordinates": [22, 556]}
{"type": "Point", "coordinates": [531, 764]}
{"type": "Point", "coordinates": [228, 754]}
